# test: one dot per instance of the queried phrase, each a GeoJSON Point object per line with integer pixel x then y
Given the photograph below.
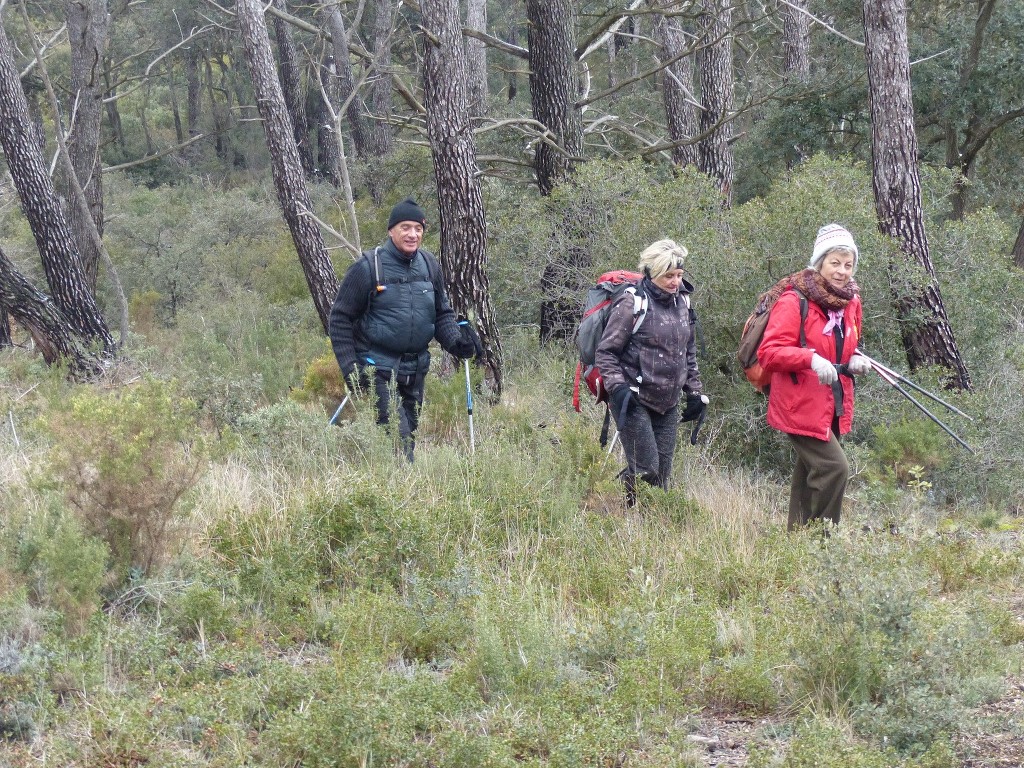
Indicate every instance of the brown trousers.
{"type": "Point", "coordinates": [819, 480]}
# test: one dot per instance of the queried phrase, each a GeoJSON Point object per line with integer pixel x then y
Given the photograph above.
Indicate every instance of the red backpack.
{"type": "Point", "coordinates": [598, 306]}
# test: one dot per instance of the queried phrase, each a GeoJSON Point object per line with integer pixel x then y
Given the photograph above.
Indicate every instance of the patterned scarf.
{"type": "Point", "coordinates": [816, 288]}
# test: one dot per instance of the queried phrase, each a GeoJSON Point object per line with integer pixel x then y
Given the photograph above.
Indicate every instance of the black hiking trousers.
{"type": "Point", "coordinates": [408, 389]}
{"type": "Point", "coordinates": [649, 441]}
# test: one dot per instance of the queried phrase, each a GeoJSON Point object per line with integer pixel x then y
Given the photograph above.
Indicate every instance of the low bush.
{"type": "Point", "coordinates": [124, 459]}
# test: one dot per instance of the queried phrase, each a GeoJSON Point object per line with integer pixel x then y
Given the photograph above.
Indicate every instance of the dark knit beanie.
{"type": "Point", "coordinates": [407, 210]}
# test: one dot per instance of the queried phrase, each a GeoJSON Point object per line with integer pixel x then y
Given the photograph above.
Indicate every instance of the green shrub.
{"type": "Point", "coordinates": [73, 568]}
{"type": "Point", "coordinates": [124, 459]}
{"type": "Point", "coordinates": [879, 645]}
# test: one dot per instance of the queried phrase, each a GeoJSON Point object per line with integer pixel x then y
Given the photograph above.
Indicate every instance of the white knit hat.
{"type": "Point", "coordinates": [833, 236]}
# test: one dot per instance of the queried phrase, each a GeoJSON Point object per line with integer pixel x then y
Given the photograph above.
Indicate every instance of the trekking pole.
{"type": "Point", "coordinates": [877, 365]}
{"type": "Point", "coordinates": [891, 380]}
{"type": "Point", "coordinates": [469, 408]}
{"type": "Point", "coordinates": [337, 413]}
{"type": "Point", "coordinates": [611, 445]}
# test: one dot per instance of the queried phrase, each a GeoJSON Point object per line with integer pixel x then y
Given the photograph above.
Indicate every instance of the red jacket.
{"type": "Point", "coordinates": [803, 406]}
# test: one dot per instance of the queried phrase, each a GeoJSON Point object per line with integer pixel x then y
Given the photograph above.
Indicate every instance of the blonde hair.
{"type": "Point", "coordinates": [661, 257]}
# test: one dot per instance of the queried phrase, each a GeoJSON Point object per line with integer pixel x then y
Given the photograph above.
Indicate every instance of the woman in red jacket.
{"type": "Point", "coordinates": [810, 399]}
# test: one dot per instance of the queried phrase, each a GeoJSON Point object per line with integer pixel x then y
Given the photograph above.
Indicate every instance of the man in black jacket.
{"type": "Point", "coordinates": [391, 303]}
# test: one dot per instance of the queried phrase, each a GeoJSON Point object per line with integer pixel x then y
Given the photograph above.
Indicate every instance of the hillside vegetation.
{"type": "Point", "coordinates": [196, 570]}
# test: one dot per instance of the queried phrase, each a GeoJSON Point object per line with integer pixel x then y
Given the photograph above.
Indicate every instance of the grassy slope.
{"type": "Point", "coordinates": [331, 605]}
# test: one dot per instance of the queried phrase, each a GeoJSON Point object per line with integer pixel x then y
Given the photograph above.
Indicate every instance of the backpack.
{"type": "Point", "coordinates": [596, 309]}
{"type": "Point", "coordinates": [753, 333]}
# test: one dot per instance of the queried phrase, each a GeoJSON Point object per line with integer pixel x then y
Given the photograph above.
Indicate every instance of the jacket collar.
{"type": "Point", "coordinates": [390, 248]}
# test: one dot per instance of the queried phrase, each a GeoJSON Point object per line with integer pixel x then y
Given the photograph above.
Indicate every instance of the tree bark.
{"type": "Point", "coordinates": [796, 41]}
{"type": "Point", "coordinates": [88, 27]}
{"type": "Point", "coordinates": [51, 330]}
{"type": "Point", "coordinates": [554, 88]}
{"type": "Point", "coordinates": [927, 336]}
{"type": "Point", "coordinates": [460, 198]}
{"type": "Point", "coordinates": [681, 112]}
{"type": "Point", "coordinates": [5, 328]}
{"type": "Point", "coordinates": [714, 61]}
{"type": "Point", "coordinates": [290, 73]}
{"type": "Point", "coordinates": [554, 91]}
{"type": "Point", "coordinates": [1018, 247]}
{"type": "Point", "coordinates": [345, 81]}
{"type": "Point", "coordinates": [113, 113]}
{"type": "Point", "coordinates": [61, 260]}
{"type": "Point", "coordinates": [476, 58]}
{"type": "Point", "coordinates": [381, 136]}
{"type": "Point", "coordinates": [328, 154]}
{"type": "Point", "coordinates": [285, 164]}
{"type": "Point", "coordinates": [193, 89]}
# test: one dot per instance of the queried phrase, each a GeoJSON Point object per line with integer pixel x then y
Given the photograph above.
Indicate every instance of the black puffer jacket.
{"type": "Point", "coordinates": [395, 326]}
{"type": "Point", "coordinates": [659, 361]}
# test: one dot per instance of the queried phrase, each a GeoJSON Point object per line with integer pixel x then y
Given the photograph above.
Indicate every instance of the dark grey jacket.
{"type": "Point", "coordinates": [659, 361]}
{"type": "Point", "coordinates": [390, 322]}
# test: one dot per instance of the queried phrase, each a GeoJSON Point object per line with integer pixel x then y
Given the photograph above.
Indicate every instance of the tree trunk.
{"type": "Point", "coordinates": [50, 329]}
{"type": "Point", "coordinates": [220, 139]}
{"type": "Point", "coordinates": [88, 26]}
{"type": "Point", "coordinates": [460, 199]}
{"type": "Point", "coordinates": [5, 328]}
{"type": "Point", "coordinates": [554, 88]}
{"type": "Point", "coordinates": [714, 61]}
{"type": "Point", "coordinates": [345, 81]}
{"type": "Point", "coordinates": [927, 336]}
{"type": "Point", "coordinates": [512, 37]}
{"type": "Point", "coordinates": [476, 58]}
{"type": "Point", "coordinates": [193, 89]}
{"type": "Point", "coordinates": [172, 88]}
{"type": "Point", "coordinates": [554, 91]}
{"type": "Point", "coordinates": [62, 263]}
{"type": "Point", "coordinates": [796, 41]}
{"type": "Point", "coordinates": [677, 88]}
{"type": "Point", "coordinates": [284, 155]}
{"type": "Point", "coordinates": [290, 73]}
{"type": "Point", "coordinates": [113, 113]}
{"type": "Point", "coordinates": [1018, 247]}
{"type": "Point", "coordinates": [328, 154]}
{"type": "Point", "coordinates": [381, 135]}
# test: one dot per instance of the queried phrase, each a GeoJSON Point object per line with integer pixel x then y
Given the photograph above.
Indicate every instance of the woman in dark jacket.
{"type": "Point", "coordinates": [647, 367]}
{"type": "Point", "coordinates": [809, 399]}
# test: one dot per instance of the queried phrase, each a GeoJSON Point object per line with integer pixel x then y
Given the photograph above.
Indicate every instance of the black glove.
{"type": "Point", "coordinates": [695, 405]}
{"type": "Point", "coordinates": [619, 400]}
{"type": "Point", "coordinates": [696, 410]}
{"type": "Point", "coordinates": [469, 346]}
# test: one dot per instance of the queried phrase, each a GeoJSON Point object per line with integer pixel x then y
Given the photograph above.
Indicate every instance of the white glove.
{"type": "Point", "coordinates": [826, 371]}
{"type": "Point", "coordinates": [858, 364]}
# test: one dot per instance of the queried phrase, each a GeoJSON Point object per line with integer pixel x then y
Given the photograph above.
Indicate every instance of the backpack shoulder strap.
{"type": "Point", "coordinates": [803, 317]}
{"type": "Point", "coordinates": [433, 269]}
{"type": "Point", "coordinates": [640, 304]}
